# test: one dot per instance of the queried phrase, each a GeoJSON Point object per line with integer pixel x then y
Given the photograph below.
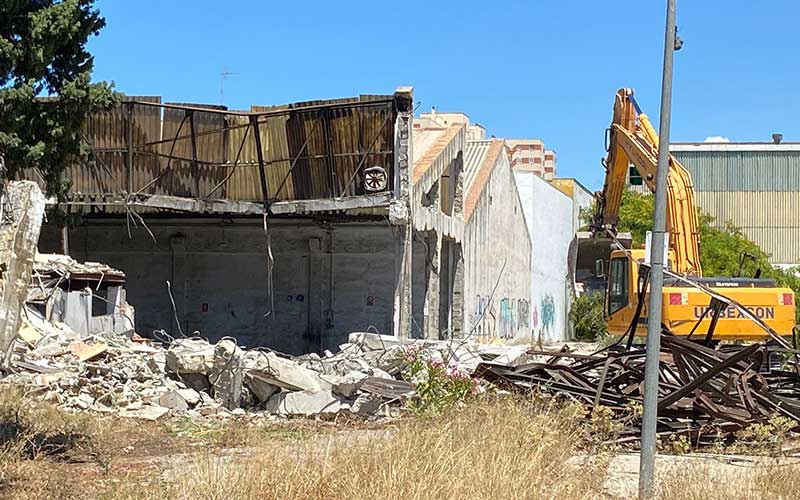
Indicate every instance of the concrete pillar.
{"type": "Point", "coordinates": [317, 294]}
{"type": "Point", "coordinates": [18, 241]}
{"type": "Point", "coordinates": [457, 321]}
{"type": "Point", "coordinates": [432, 285]}
{"type": "Point", "coordinates": [400, 211]}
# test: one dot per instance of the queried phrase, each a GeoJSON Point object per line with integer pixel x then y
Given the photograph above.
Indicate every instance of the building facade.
{"type": "Point", "coordinates": [497, 248]}
{"type": "Point", "coordinates": [287, 227]}
{"type": "Point", "coordinates": [549, 216]}
{"type": "Point", "coordinates": [530, 155]}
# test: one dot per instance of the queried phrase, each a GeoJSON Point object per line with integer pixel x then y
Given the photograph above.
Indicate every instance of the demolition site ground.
{"type": "Point", "coordinates": [492, 446]}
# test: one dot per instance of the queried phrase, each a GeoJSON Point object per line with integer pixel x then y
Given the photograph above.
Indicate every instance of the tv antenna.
{"type": "Point", "coordinates": [222, 76]}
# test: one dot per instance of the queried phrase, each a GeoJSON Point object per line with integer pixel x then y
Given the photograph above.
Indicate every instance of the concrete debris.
{"type": "Point", "coordinates": [348, 385]}
{"type": "Point", "coordinates": [100, 368]}
{"type": "Point", "coordinates": [190, 356]}
{"type": "Point", "coordinates": [282, 372]}
{"type": "Point", "coordinates": [226, 374]}
{"type": "Point", "coordinates": [304, 403]}
{"type": "Point", "coordinates": [149, 412]}
{"type": "Point", "coordinates": [19, 236]}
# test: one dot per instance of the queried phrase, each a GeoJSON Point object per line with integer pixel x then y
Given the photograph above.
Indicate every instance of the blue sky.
{"type": "Point", "coordinates": [544, 69]}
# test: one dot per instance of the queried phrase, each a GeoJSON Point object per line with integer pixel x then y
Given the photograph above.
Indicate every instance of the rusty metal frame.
{"type": "Point", "coordinates": [324, 114]}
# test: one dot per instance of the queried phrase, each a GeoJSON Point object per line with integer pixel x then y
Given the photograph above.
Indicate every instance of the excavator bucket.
{"type": "Point", "coordinates": [591, 263]}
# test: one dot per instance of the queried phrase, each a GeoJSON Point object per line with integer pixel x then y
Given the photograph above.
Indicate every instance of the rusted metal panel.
{"type": "Point", "coordinates": [311, 150]}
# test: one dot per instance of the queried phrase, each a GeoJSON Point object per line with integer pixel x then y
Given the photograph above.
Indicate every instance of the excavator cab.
{"type": "Point", "coordinates": [688, 310]}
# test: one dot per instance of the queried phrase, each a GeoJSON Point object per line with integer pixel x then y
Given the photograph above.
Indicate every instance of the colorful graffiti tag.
{"type": "Point", "coordinates": [488, 325]}
{"type": "Point", "coordinates": [548, 313]}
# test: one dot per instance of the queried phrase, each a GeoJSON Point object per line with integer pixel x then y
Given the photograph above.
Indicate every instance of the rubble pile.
{"type": "Point", "coordinates": [704, 393]}
{"type": "Point", "coordinates": [136, 377]}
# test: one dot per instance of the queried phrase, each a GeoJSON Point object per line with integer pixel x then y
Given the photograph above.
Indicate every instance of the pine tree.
{"type": "Point", "coordinates": [45, 85]}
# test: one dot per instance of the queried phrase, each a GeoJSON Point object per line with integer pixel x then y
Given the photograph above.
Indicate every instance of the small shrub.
{"type": "Point", "coordinates": [766, 438]}
{"type": "Point", "coordinates": [438, 386]}
{"type": "Point", "coordinates": [588, 318]}
{"type": "Point", "coordinates": [674, 444]}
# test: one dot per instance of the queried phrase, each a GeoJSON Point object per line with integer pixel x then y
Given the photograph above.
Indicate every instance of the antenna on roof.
{"type": "Point", "coordinates": [222, 76]}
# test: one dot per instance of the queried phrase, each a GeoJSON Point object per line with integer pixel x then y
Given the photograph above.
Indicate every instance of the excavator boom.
{"type": "Point", "coordinates": [633, 140]}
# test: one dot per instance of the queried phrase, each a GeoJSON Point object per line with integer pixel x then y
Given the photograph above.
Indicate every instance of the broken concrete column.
{"type": "Point", "coordinates": [19, 238]}
{"type": "Point", "coordinates": [226, 375]}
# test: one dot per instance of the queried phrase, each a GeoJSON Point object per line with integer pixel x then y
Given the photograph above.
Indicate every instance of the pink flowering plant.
{"type": "Point", "coordinates": [439, 385]}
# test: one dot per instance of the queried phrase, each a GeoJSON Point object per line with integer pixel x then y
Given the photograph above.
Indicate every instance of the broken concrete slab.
{"type": "Point", "coordinates": [29, 334]}
{"type": "Point", "coordinates": [348, 385]}
{"type": "Point", "coordinates": [18, 242]}
{"type": "Point", "coordinates": [282, 372]}
{"type": "Point", "coordinates": [366, 404]}
{"type": "Point", "coordinates": [174, 401]}
{"type": "Point", "coordinates": [304, 403]}
{"type": "Point", "coordinates": [191, 396]}
{"type": "Point", "coordinates": [261, 389]}
{"type": "Point", "coordinates": [373, 341]}
{"type": "Point", "coordinates": [145, 412]}
{"type": "Point", "coordinates": [85, 351]}
{"type": "Point", "coordinates": [190, 356]}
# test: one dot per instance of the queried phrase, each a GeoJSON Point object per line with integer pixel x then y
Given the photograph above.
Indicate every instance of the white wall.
{"type": "Point", "coordinates": [550, 220]}
{"type": "Point", "coordinates": [496, 297]}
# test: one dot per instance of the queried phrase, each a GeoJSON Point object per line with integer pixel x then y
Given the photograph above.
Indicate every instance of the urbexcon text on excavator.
{"type": "Point", "coordinates": [690, 306]}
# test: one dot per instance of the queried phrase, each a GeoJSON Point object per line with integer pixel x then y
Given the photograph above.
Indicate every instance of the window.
{"type": "Point", "coordinates": [635, 177]}
{"type": "Point", "coordinates": [617, 285]}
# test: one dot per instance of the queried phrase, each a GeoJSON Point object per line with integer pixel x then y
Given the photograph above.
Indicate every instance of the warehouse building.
{"type": "Point", "coordinates": [291, 226]}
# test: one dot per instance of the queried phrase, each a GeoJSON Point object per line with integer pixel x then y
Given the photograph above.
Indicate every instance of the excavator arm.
{"type": "Point", "coordinates": [633, 140]}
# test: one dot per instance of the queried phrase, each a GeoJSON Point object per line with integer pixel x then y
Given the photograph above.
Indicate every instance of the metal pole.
{"type": "Point", "coordinates": [649, 420]}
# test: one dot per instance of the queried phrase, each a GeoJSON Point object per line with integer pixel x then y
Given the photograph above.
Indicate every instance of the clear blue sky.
{"type": "Point", "coordinates": [545, 69]}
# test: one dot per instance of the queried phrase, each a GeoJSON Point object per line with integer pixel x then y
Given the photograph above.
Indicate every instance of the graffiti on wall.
{"type": "Point", "coordinates": [523, 313]}
{"type": "Point", "coordinates": [513, 317]}
{"type": "Point", "coordinates": [483, 318]}
{"type": "Point", "coordinates": [543, 317]}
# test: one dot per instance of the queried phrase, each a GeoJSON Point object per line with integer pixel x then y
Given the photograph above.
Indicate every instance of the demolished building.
{"type": "Point", "coordinates": [292, 226]}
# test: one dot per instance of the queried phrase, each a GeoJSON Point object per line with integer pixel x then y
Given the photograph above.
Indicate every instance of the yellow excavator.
{"type": "Point", "coordinates": [718, 308]}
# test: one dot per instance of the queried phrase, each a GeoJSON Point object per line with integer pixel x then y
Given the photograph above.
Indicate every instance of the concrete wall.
{"type": "Point", "coordinates": [497, 258]}
{"type": "Point", "coordinates": [328, 280]}
{"type": "Point", "coordinates": [549, 216]}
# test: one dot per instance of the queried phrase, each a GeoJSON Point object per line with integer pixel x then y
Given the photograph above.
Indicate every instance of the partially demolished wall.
{"type": "Point", "coordinates": [21, 213]}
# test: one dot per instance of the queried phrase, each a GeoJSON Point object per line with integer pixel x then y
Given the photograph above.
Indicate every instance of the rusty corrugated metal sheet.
{"type": "Point", "coordinates": [106, 133]}
{"type": "Point", "coordinates": [332, 142]}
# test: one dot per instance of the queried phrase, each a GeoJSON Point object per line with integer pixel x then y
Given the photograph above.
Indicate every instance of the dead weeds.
{"type": "Point", "coordinates": [504, 448]}
{"type": "Point", "coordinates": [768, 480]}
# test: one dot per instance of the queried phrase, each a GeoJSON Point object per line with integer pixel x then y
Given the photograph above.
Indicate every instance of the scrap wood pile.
{"type": "Point", "coordinates": [702, 391]}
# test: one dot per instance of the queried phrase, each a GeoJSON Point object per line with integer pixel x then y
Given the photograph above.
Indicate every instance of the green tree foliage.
{"type": "Point", "coordinates": [722, 247]}
{"type": "Point", "coordinates": [45, 85]}
{"type": "Point", "coordinates": [635, 215]}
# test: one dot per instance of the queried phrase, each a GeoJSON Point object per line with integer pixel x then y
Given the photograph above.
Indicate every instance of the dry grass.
{"type": "Point", "coordinates": [499, 449]}
{"type": "Point", "coordinates": [504, 448]}
{"type": "Point", "coordinates": [767, 481]}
